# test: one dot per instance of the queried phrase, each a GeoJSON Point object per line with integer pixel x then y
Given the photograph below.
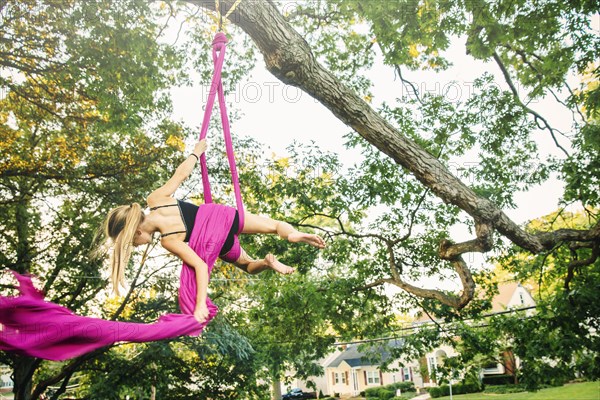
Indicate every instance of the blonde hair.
{"type": "Point", "coordinates": [120, 226]}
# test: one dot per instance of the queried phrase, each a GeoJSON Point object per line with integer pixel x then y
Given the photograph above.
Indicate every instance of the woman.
{"type": "Point", "coordinates": [174, 219]}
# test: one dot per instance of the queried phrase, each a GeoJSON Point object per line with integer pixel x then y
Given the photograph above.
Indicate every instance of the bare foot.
{"type": "Point", "coordinates": [313, 240]}
{"type": "Point", "coordinates": [278, 266]}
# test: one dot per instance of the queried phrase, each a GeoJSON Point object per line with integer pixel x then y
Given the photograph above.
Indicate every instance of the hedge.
{"type": "Point", "coordinates": [498, 380]}
{"type": "Point", "coordinates": [504, 389]}
{"type": "Point", "coordinates": [388, 392]}
{"type": "Point", "coordinates": [458, 388]}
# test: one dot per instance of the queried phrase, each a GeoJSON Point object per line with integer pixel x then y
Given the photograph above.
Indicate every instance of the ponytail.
{"type": "Point", "coordinates": [121, 225]}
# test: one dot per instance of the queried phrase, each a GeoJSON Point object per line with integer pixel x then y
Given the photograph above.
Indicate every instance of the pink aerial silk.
{"type": "Point", "coordinates": [216, 87]}
{"type": "Point", "coordinates": [34, 327]}
{"type": "Point", "coordinates": [31, 326]}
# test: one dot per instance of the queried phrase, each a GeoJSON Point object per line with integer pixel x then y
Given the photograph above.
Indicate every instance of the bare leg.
{"type": "Point", "coordinates": [257, 266]}
{"type": "Point", "coordinates": [258, 224]}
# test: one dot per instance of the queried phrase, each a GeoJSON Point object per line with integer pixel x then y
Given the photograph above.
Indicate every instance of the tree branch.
{"type": "Point", "coordinates": [518, 100]}
{"type": "Point", "coordinates": [289, 58]}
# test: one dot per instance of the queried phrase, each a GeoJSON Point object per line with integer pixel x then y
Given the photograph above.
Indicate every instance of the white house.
{"type": "Point", "coordinates": [349, 371]}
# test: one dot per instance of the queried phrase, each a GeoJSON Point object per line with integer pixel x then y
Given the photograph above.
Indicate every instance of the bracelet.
{"type": "Point", "coordinates": [197, 158]}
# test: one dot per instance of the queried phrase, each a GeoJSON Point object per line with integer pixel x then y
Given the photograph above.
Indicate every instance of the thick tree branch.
{"type": "Point", "coordinates": [289, 58]}
{"type": "Point", "coordinates": [448, 251]}
{"type": "Point", "coordinates": [551, 239]}
{"type": "Point", "coordinates": [577, 263]}
{"type": "Point", "coordinates": [483, 243]}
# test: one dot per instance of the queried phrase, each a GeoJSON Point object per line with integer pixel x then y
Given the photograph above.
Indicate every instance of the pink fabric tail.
{"type": "Point", "coordinates": [33, 327]}
{"type": "Point", "coordinates": [216, 87]}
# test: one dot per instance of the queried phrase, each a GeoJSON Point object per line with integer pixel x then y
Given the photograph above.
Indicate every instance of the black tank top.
{"type": "Point", "coordinates": [188, 213]}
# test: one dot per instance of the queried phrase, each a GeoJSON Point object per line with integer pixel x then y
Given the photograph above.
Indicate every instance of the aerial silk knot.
{"type": "Point", "coordinates": [219, 41]}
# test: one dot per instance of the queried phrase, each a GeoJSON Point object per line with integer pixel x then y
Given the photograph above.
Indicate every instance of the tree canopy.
{"type": "Point", "coordinates": [86, 124]}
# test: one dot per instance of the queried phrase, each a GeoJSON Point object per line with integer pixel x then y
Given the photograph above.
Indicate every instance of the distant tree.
{"type": "Point", "coordinates": [554, 343]}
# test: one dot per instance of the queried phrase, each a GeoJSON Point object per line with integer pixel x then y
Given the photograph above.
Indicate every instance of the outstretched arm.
{"type": "Point", "coordinates": [189, 256]}
{"type": "Point", "coordinates": [181, 174]}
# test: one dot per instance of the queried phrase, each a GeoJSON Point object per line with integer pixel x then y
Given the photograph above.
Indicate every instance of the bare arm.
{"type": "Point", "coordinates": [181, 174]}
{"type": "Point", "coordinates": [189, 256]}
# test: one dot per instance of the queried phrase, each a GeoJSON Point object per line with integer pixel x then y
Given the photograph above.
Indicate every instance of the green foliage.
{"type": "Point", "coordinates": [581, 171]}
{"type": "Point", "coordinates": [458, 388]}
{"type": "Point", "coordinates": [554, 343]}
{"type": "Point", "coordinates": [503, 389]}
{"type": "Point", "coordinates": [85, 125]}
{"type": "Point", "coordinates": [389, 391]}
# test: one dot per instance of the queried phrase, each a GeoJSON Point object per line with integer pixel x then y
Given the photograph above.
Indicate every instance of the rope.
{"type": "Point", "coordinates": [220, 17]}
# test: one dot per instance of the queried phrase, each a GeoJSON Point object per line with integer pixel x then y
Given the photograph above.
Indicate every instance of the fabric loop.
{"type": "Point", "coordinates": [216, 88]}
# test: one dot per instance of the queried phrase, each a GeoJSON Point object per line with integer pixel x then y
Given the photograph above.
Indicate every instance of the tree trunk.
{"type": "Point", "coordinates": [276, 385]}
{"type": "Point", "coordinates": [22, 227]}
{"type": "Point", "coordinates": [23, 370]}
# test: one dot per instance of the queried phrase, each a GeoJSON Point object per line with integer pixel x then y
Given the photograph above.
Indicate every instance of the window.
{"type": "Point", "coordinates": [373, 377]}
{"type": "Point", "coordinates": [337, 378]}
{"type": "Point", "coordinates": [343, 377]}
{"type": "Point", "coordinates": [406, 372]}
{"type": "Point", "coordinates": [521, 298]}
{"type": "Point", "coordinates": [432, 364]}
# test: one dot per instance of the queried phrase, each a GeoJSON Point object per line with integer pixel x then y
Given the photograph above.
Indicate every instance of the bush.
{"type": "Point", "coordinates": [389, 391]}
{"type": "Point", "coordinates": [458, 388]}
{"type": "Point", "coordinates": [503, 389]}
{"type": "Point", "coordinates": [385, 394]}
{"type": "Point", "coordinates": [498, 380]}
{"type": "Point", "coordinates": [436, 392]}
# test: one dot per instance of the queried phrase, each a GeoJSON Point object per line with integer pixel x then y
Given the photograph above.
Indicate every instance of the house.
{"type": "Point", "coordinates": [353, 370]}
{"type": "Point", "coordinates": [350, 371]}
{"type": "Point", "coordinates": [6, 383]}
{"type": "Point", "coordinates": [511, 296]}
{"type": "Point", "coordinates": [309, 385]}
{"type": "Point", "coordinates": [430, 362]}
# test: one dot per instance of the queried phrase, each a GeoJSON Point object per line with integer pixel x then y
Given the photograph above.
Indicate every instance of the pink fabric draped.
{"type": "Point", "coordinates": [34, 327]}
{"type": "Point", "coordinates": [216, 88]}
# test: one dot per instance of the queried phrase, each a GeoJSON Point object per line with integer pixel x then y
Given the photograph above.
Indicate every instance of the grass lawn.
{"type": "Point", "coordinates": [575, 391]}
